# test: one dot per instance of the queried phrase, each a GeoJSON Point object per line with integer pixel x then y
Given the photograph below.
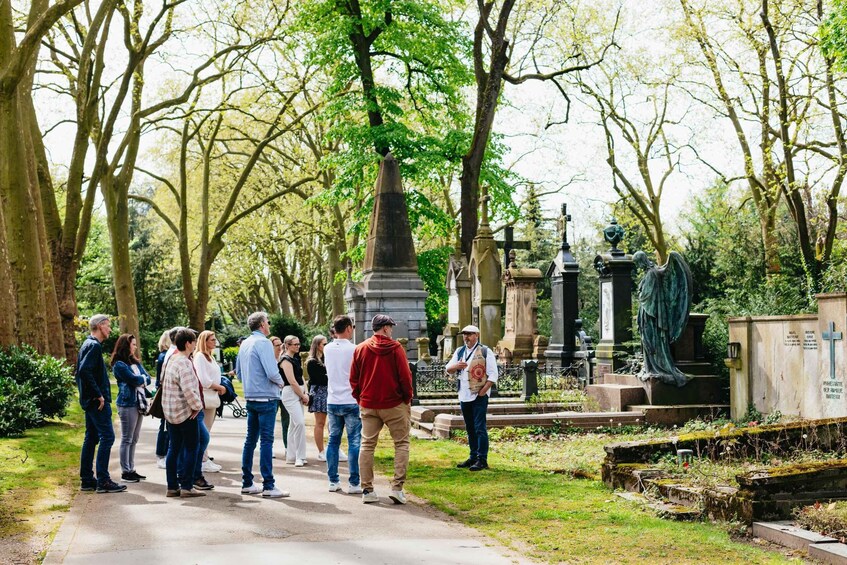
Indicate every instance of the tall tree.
{"type": "Point", "coordinates": [28, 305]}
{"type": "Point", "coordinates": [497, 24]}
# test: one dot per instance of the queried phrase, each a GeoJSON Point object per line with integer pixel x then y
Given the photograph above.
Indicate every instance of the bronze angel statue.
{"type": "Point", "coordinates": [664, 298]}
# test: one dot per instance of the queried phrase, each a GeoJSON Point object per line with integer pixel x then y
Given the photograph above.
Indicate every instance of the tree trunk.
{"type": "Point", "coordinates": [117, 219]}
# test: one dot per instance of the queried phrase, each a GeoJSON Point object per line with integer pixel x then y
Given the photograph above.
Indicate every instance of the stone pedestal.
{"type": "Point", "coordinates": [564, 283]}
{"type": "Point", "coordinates": [452, 338]}
{"type": "Point", "coordinates": [521, 314]}
{"type": "Point", "coordinates": [391, 284]}
{"type": "Point", "coordinates": [458, 302]}
{"type": "Point", "coordinates": [485, 273]}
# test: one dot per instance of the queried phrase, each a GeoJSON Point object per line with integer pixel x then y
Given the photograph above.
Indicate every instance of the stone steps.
{"type": "Point", "coordinates": [669, 415]}
{"type": "Point", "coordinates": [445, 423]}
{"type": "Point", "coordinates": [429, 412]}
{"type": "Point", "coordinates": [616, 397]}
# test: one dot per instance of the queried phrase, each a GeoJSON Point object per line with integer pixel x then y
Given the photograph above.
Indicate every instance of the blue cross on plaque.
{"type": "Point", "coordinates": [831, 336]}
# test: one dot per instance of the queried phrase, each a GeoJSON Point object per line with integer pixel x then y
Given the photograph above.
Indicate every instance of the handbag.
{"type": "Point", "coordinates": [141, 401]}
{"type": "Point", "coordinates": [156, 409]}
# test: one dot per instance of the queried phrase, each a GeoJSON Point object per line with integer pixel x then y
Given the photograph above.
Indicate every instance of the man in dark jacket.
{"type": "Point", "coordinates": [95, 397]}
{"type": "Point", "coordinates": [382, 385]}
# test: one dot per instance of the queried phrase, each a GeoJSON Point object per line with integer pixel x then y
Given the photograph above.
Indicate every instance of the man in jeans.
{"type": "Point", "coordinates": [476, 367]}
{"type": "Point", "coordinates": [342, 410]}
{"type": "Point", "coordinates": [95, 397]}
{"type": "Point", "coordinates": [257, 368]}
{"type": "Point", "coordinates": [382, 384]}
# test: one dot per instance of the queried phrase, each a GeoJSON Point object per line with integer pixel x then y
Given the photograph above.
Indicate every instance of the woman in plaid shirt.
{"type": "Point", "coordinates": [182, 401]}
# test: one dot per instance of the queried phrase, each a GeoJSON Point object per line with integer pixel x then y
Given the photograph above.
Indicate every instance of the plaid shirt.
{"type": "Point", "coordinates": [181, 394]}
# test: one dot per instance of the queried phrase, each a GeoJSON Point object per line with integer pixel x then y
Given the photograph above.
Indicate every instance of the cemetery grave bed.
{"type": "Point", "coordinates": [737, 473]}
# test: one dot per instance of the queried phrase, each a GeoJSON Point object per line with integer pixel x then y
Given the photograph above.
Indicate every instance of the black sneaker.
{"type": "Point", "coordinates": [202, 484]}
{"type": "Point", "coordinates": [479, 466]}
{"type": "Point", "coordinates": [466, 463]}
{"type": "Point", "coordinates": [88, 487]}
{"type": "Point", "coordinates": [110, 486]}
{"type": "Point", "coordinates": [129, 478]}
{"type": "Point", "coordinates": [137, 476]}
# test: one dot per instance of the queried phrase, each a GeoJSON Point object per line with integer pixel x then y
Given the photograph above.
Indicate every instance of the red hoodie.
{"type": "Point", "coordinates": [380, 374]}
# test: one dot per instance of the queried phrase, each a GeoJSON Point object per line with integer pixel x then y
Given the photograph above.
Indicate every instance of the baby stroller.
{"type": "Point", "coordinates": [230, 398]}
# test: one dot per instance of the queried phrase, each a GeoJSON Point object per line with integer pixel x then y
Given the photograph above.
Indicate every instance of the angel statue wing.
{"type": "Point", "coordinates": [677, 291]}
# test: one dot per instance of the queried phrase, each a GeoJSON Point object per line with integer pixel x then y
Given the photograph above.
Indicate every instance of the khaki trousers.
{"type": "Point", "coordinates": [398, 420]}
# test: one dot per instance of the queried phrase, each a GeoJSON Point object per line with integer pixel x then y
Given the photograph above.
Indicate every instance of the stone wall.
{"type": "Point", "coordinates": [789, 363]}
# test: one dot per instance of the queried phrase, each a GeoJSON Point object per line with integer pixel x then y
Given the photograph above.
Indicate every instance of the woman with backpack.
{"type": "Point", "coordinates": [132, 401]}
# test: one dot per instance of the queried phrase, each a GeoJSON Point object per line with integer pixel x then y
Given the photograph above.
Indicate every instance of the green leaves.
{"type": "Point", "coordinates": [833, 34]}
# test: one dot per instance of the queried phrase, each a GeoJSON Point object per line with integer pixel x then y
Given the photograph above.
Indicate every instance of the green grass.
{"type": "Point", "coordinates": [554, 517]}
{"type": "Point", "coordinates": [42, 464]}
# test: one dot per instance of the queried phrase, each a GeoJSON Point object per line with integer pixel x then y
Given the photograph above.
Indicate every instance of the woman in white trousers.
{"type": "Point", "coordinates": [294, 398]}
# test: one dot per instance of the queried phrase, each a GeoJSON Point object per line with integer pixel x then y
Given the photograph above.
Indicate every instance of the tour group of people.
{"type": "Point", "coordinates": [354, 388]}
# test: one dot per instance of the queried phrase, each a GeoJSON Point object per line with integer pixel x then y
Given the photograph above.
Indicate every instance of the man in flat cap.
{"type": "Point", "coordinates": [381, 383]}
{"type": "Point", "coordinates": [475, 365]}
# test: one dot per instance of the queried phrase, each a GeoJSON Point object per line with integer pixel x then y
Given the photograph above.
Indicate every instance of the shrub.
{"type": "Point", "coordinates": [49, 379]}
{"type": "Point", "coordinates": [826, 519]}
{"type": "Point", "coordinates": [230, 353]}
{"type": "Point", "coordinates": [282, 326]}
{"type": "Point", "coordinates": [18, 409]}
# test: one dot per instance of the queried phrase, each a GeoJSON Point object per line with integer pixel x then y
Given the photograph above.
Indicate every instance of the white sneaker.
{"type": "Point", "coordinates": [334, 487]}
{"type": "Point", "coordinates": [252, 489]}
{"type": "Point", "coordinates": [299, 462]}
{"type": "Point", "coordinates": [275, 493]}
{"type": "Point", "coordinates": [160, 463]}
{"type": "Point", "coordinates": [370, 497]}
{"type": "Point", "coordinates": [210, 467]}
{"type": "Point", "coordinates": [342, 456]}
{"type": "Point", "coordinates": [354, 489]}
{"type": "Point", "coordinates": [397, 496]}
{"type": "Point", "coordinates": [322, 455]}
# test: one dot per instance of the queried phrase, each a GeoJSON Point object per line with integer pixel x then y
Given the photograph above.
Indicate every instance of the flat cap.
{"type": "Point", "coordinates": [381, 320]}
{"type": "Point", "coordinates": [470, 330]}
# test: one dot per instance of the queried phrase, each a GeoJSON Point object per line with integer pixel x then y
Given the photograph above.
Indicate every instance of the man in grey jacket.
{"type": "Point", "coordinates": [257, 369]}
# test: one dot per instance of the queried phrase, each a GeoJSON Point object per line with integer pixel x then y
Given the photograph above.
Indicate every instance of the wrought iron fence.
{"type": "Point", "coordinates": [432, 380]}
{"type": "Point", "coordinates": [551, 377]}
{"type": "Point", "coordinates": [510, 380]}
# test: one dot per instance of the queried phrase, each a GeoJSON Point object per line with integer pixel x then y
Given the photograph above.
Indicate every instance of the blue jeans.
{"type": "Point", "coordinates": [202, 443]}
{"type": "Point", "coordinates": [182, 453]}
{"type": "Point", "coordinates": [339, 417]}
{"type": "Point", "coordinates": [162, 439]}
{"type": "Point", "coordinates": [261, 417]}
{"type": "Point", "coordinates": [474, 416]}
{"type": "Point", "coordinates": [98, 429]}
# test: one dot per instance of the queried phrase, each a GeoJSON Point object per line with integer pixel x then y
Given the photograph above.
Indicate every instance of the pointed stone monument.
{"type": "Point", "coordinates": [486, 289]}
{"type": "Point", "coordinates": [391, 284]}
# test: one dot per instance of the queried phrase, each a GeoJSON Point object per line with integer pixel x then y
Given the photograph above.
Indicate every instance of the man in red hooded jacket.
{"type": "Point", "coordinates": [382, 385]}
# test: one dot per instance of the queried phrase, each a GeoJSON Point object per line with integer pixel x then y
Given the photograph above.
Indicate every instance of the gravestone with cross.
{"type": "Point", "coordinates": [486, 286]}
{"type": "Point", "coordinates": [564, 284]}
{"type": "Point", "coordinates": [508, 243]}
{"type": "Point", "coordinates": [831, 336]}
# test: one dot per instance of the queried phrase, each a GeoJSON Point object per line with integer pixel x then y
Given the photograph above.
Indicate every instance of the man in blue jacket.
{"type": "Point", "coordinates": [257, 369]}
{"type": "Point", "coordinates": [95, 397]}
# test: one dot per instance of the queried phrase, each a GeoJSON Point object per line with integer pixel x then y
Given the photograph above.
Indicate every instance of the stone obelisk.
{"type": "Point", "coordinates": [391, 284]}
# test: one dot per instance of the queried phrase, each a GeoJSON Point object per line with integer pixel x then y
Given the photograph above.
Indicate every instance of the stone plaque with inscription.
{"type": "Point", "coordinates": [607, 315]}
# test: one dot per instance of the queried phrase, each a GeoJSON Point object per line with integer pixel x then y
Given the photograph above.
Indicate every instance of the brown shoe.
{"type": "Point", "coordinates": [191, 493]}
{"type": "Point", "coordinates": [172, 493]}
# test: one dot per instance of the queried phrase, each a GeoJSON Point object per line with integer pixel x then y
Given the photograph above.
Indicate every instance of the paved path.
{"type": "Point", "coordinates": [313, 526]}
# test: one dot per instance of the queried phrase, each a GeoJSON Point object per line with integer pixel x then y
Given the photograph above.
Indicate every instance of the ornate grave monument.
{"type": "Point", "coordinates": [485, 273]}
{"type": "Point", "coordinates": [615, 268]}
{"type": "Point", "coordinates": [391, 283]}
{"type": "Point", "coordinates": [564, 276]}
{"type": "Point", "coordinates": [521, 328]}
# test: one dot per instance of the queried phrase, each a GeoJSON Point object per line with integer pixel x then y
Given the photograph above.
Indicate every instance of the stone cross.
{"type": "Point", "coordinates": [563, 224]}
{"type": "Point", "coordinates": [832, 336]}
{"type": "Point", "coordinates": [509, 243]}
